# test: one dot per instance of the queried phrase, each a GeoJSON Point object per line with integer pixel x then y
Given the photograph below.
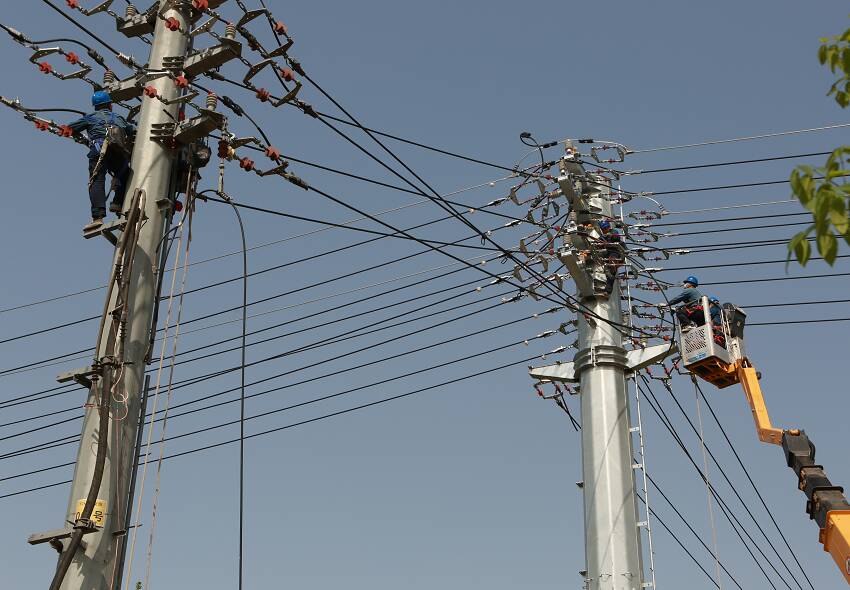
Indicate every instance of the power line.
{"type": "Point", "coordinates": [198, 379]}
{"type": "Point", "coordinates": [281, 428]}
{"type": "Point", "coordinates": [731, 485]}
{"type": "Point", "coordinates": [752, 483]}
{"type": "Point", "coordinates": [737, 139]}
{"type": "Point", "coordinates": [732, 163]}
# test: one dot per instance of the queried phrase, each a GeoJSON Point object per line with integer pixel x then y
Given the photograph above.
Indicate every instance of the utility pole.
{"type": "Point", "coordinates": [93, 564]}
{"type": "Point", "coordinates": [612, 537]}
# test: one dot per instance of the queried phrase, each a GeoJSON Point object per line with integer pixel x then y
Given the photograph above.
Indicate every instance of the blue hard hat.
{"type": "Point", "coordinates": [100, 97]}
{"type": "Point", "coordinates": [692, 280]}
{"type": "Point", "coordinates": [604, 224]}
{"type": "Point", "coordinates": [714, 299]}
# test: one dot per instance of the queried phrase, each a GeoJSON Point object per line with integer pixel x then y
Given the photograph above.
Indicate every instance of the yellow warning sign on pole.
{"type": "Point", "coordinates": [98, 514]}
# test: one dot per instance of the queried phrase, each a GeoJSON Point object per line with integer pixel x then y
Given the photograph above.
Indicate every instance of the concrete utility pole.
{"type": "Point", "coordinates": [612, 537]}
{"type": "Point", "coordinates": [95, 563]}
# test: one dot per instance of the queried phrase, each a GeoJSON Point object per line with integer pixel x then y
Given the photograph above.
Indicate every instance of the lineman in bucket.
{"type": "Point", "coordinates": [109, 151]}
{"type": "Point", "coordinates": [688, 301]}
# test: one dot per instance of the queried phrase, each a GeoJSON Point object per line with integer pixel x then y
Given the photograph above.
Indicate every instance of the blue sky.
{"type": "Point", "coordinates": [469, 485]}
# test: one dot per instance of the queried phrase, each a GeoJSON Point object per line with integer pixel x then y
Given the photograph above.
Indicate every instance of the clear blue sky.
{"type": "Point", "coordinates": [470, 485]}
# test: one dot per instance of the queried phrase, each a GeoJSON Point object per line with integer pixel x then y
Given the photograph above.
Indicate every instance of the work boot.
{"type": "Point", "coordinates": [115, 208]}
{"type": "Point", "coordinates": [93, 224]}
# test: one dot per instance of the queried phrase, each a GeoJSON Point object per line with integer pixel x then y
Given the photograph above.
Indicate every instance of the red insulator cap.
{"type": "Point", "coordinates": [72, 4]}
{"type": "Point", "coordinates": [72, 58]}
{"type": "Point", "coordinates": [280, 28]}
{"type": "Point", "coordinates": [286, 74]}
{"type": "Point", "coordinates": [246, 164]}
{"type": "Point", "coordinates": [172, 24]}
{"type": "Point", "coordinates": [201, 4]}
{"type": "Point", "coordinates": [45, 67]}
{"type": "Point", "coordinates": [263, 94]}
{"type": "Point", "coordinates": [65, 131]}
{"type": "Point", "coordinates": [273, 153]}
{"type": "Point", "coordinates": [42, 125]}
{"type": "Point", "coordinates": [178, 206]}
{"type": "Point", "coordinates": [151, 92]}
{"type": "Point", "coordinates": [181, 81]}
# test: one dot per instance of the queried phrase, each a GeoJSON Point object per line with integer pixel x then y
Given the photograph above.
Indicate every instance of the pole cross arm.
{"type": "Point", "coordinates": [643, 357]}
{"type": "Point", "coordinates": [197, 127]}
{"type": "Point", "coordinates": [557, 372]}
{"type": "Point", "coordinates": [137, 25]}
{"type": "Point", "coordinates": [211, 58]}
{"type": "Point", "coordinates": [578, 272]}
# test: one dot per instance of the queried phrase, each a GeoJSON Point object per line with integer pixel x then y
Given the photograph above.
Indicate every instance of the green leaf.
{"type": "Point", "coordinates": [845, 60]}
{"type": "Point", "coordinates": [828, 247]}
{"type": "Point", "coordinates": [822, 53]}
{"type": "Point", "coordinates": [838, 214]}
{"type": "Point", "coordinates": [800, 247]}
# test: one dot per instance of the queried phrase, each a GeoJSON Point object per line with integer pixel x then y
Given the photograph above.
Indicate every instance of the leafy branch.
{"type": "Point", "coordinates": [824, 190]}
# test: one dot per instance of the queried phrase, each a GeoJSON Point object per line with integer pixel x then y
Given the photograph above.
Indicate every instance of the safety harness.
{"type": "Point", "coordinates": [115, 138]}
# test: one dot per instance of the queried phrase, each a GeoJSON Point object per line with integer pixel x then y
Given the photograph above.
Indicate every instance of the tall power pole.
{"type": "Point", "coordinates": [93, 563]}
{"type": "Point", "coordinates": [612, 536]}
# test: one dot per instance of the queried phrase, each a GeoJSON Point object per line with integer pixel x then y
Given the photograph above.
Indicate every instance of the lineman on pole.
{"type": "Point", "coordinates": [109, 151]}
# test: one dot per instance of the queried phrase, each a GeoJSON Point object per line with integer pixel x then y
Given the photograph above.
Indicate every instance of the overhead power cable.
{"type": "Point", "coordinates": [201, 378]}
{"type": "Point", "coordinates": [331, 340]}
{"type": "Point", "coordinates": [732, 163]}
{"type": "Point", "coordinates": [738, 139]}
{"type": "Point", "coordinates": [725, 509]}
{"type": "Point", "coordinates": [726, 478]}
{"type": "Point", "coordinates": [311, 420]}
{"type": "Point", "coordinates": [752, 483]}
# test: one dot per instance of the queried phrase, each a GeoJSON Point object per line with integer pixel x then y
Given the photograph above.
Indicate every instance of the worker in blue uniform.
{"type": "Point", "coordinates": [109, 151]}
{"type": "Point", "coordinates": [688, 301]}
{"type": "Point", "coordinates": [612, 250]}
{"type": "Point", "coordinates": [715, 310]}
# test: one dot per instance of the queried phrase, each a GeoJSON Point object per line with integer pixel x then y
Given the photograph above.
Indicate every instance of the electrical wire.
{"type": "Point", "coordinates": [731, 485]}
{"type": "Point", "coordinates": [311, 420]}
{"type": "Point", "coordinates": [737, 139]}
{"type": "Point", "coordinates": [732, 163]}
{"type": "Point", "coordinates": [752, 483]}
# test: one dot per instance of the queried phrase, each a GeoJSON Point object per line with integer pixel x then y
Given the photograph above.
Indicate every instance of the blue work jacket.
{"type": "Point", "coordinates": [94, 124]}
{"type": "Point", "coordinates": [688, 296]}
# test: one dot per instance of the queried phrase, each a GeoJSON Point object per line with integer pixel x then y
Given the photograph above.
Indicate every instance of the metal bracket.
{"type": "Point", "coordinates": [644, 357]}
{"type": "Point", "coordinates": [251, 15]}
{"type": "Point", "coordinates": [55, 538]}
{"type": "Point", "coordinates": [276, 170]}
{"type": "Point", "coordinates": [180, 99]}
{"type": "Point", "coordinates": [197, 127]}
{"type": "Point", "coordinates": [162, 132]}
{"type": "Point", "coordinates": [255, 69]}
{"type": "Point", "coordinates": [44, 52]}
{"type": "Point", "coordinates": [105, 230]}
{"type": "Point", "coordinates": [579, 274]}
{"type": "Point", "coordinates": [82, 376]}
{"type": "Point", "coordinates": [102, 7]}
{"type": "Point", "coordinates": [211, 58]}
{"type": "Point", "coordinates": [173, 63]}
{"type": "Point", "coordinates": [131, 87]}
{"type": "Point", "coordinates": [557, 372]}
{"type": "Point", "coordinates": [138, 25]}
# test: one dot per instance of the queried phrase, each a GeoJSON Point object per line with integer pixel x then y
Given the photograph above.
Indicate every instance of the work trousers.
{"type": "Point", "coordinates": [119, 167]}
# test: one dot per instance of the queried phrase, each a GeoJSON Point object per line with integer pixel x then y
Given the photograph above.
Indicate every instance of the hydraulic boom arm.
{"type": "Point", "coordinates": [826, 503]}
